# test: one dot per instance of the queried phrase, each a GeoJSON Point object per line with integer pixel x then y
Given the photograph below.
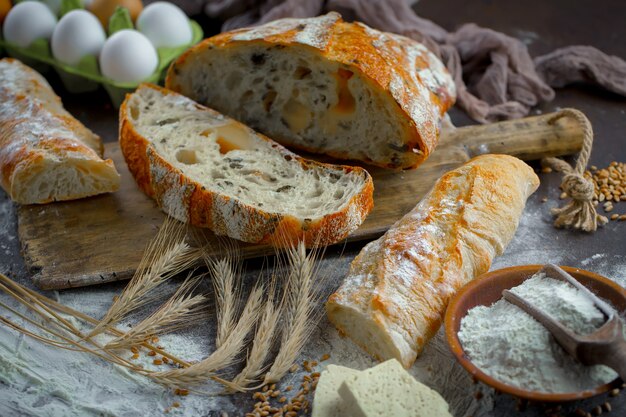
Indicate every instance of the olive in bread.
{"type": "Point", "coordinates": [398, 287]}
{"type": "Point", "coordinates": [324, 85]}
{"type": "Point", "coordinates": [211, 171]}
{"type": "Point", "coordinates": [46, 154]}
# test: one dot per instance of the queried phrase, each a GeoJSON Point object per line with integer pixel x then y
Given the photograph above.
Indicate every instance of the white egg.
{"type": "Point", "coordinates": [28, 21]}
{"type": "Point", "coordinates": [165, 25]}
{"type": "Point", "coordinates": [78, 34]}
{"type": "Point", "coordinates": [128, 56]}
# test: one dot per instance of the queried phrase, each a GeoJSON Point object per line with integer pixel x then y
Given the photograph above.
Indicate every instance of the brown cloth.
{"type": "Point", "coordinates": [496, 77]}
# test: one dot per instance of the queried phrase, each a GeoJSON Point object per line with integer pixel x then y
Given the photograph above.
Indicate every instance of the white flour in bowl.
{"type": "Point", "coordinates": [510, 346]}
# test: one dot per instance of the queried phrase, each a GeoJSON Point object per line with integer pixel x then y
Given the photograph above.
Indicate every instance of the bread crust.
{"type": "Point", "coordinates": [403, 69]}
{"type": "Point", "coordinates": [38, 136]}
{"type": "Point", "coordinates": [395, 295]}
{"type": "Point", "coordinates": [188, 201]}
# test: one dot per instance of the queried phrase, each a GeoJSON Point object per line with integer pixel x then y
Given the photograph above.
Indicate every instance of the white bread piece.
{"type": "Point", "coordinates": [46, 154]}
{"type": "Point", "coordinates": [324, 85]}
{"type": "Point", "coordinates": [397, 290]}
{"type": "Point", "coordinates": [212, 171]}
{"type": "Point", "coordinates": [389, 390]}
{"type": "Point", "coordinates": [327, 401]}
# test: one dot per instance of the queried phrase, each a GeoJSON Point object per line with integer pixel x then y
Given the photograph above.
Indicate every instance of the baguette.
{"type": "Point", "coordinates": [324, 85]}
{"type": "Point", "coordinates": [46, 154]}
{"type": "Point", "coordinates": [396, 292]}
{"type": "Point", "coordinates": [212, 171]}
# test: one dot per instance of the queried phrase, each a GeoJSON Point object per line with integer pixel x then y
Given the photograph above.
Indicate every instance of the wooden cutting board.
{"type": "Point", "coordinates": [101, 239]}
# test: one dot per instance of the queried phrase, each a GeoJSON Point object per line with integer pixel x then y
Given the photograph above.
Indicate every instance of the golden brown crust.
{"type": "Point", "coordinates": [399, 285]}
{"type": "Point", "coordinates": [230, 216]}
{"type": "Point", "coordinates": [39, 137]}
{"type": "Point", "coordinates": [401, 68]}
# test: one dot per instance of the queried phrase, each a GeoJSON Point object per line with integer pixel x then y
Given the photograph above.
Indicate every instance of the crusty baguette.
{"type": "Point", "coordinates": [46, 154]}
{"type": "Point", "coordinates": [395, 295]}
{"type": "Point", "coordinates": [212, 171]}
{"type": "Point", "coordinates": [324, 85]}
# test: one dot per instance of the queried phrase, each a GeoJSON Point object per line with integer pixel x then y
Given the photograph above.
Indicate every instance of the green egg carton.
{"type": "Point", "coordinates": [86, 76]}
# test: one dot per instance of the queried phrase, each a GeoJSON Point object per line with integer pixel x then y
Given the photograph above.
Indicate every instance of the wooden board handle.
{"type": "Point", "coordinates": [529, 138]}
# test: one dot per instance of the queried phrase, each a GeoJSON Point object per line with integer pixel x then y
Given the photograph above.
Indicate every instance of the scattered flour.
{"type": "Point", "coordinates": [70, 384]}
{"type": "Point", "coordinates": [511, 346]}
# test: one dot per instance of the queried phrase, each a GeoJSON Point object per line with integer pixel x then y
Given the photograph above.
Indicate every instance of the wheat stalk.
{"type": "Point", "coordinates": [225, 273]}
{"type": "Point", "coordinates": [63, 341]}
{"type": "Point", "coordinates": [32, 300]}
{"type": "Point", "coordinates": [166, 256]}
{"type": "Point", "coordinates": [181, 310]}
{"type": "Point", "coordinates": [227, 293]}
{"type": "Point", "coordinates": [225, 355]}
{"type": "Point", "coordinates": [300, 297]}
{"type": "Point", "coordinates": [263, 340]}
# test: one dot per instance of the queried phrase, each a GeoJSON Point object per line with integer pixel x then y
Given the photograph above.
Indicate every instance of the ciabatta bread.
{"type": "Point", "coordinates": [212, 171]}
{"type": "Point", "coordinates": [324, 85]}
{"type": "Point", "coordinates": [395, 295]}
{"type": "Point", "coordinates": [45, 153]}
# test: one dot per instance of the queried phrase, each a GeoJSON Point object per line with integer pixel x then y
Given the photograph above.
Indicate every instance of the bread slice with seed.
{"type": "Point", "coordinates": [211, 171]}
{"type": "Point", "coordinates": [324, 85]}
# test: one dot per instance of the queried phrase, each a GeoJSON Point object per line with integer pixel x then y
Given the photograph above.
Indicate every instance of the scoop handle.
{"type": "Point", "coordinates": [615, 358]}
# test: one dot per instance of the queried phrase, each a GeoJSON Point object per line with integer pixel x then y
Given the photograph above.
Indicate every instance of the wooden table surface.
{"type": "Point", "coordinates": [544, 25]}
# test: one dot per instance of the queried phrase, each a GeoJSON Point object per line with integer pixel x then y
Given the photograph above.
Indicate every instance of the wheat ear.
{"type": "Point", "coordinates": [44, 307]}
{"type": "Point", "coordinates": [225, 277]}
{"type": "Point", "coordinates": [166, 256]}
{"type": "Point", "coordinates": [300, 297]}
{"type": "Point", "coordinates": [222, 357]}
{"type": "Point", "coordinates": [182, 310]}
{"type": "Point", "coordinates": [227, 293]}
{"type": "Point", "coordinates": [263, 339]}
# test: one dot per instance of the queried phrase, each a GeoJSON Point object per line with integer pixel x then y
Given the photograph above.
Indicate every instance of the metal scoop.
{"type": "Point", "coordinates": [605, 346]}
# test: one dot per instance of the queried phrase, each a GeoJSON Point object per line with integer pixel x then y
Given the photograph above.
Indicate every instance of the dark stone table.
{"type": "Point", "coordinates": [543, 25]}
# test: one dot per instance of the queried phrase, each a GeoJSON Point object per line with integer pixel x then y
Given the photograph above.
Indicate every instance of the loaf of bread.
{"type": "Point", "coordinates": [324, 85]}
{"type": "Point", "coordinates": [395, 295]}
{"type": "Point", "coordinates": [46, 154]}
{"type": "Point", "coordinates": [212, 171]}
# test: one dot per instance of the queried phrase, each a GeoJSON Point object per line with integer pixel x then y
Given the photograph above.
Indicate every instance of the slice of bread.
{"type": "Point", "coordinates": [327, 401]}
{"type": "Point", "coordinates": [389, 390]}
{"type": "Point", "coordinates": [212, 171]}
{"type": "Point", "coordinates": [324, 85]}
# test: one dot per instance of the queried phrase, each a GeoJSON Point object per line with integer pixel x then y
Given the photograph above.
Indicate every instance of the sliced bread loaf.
{"type": "Point", "coordinates": [46, 154]}
{"type": "Point", "coordinates": [324, 85]}
{"type": "Point", "coordinates": [212, 171]}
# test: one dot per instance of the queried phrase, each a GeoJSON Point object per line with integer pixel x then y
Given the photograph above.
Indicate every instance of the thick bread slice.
{"type": "Point", "coordinates": [212, 171]}
{"type": "Point", "coordinates": [45, 153]}
{"type": "Point", "coordinates": [324, 85]}
{"type": "Point", "coordinates": [327, 401]}
{"type": "Point", "coordinates": [395, 295]}
{"type": "Point", "coordinates": [388, 390]}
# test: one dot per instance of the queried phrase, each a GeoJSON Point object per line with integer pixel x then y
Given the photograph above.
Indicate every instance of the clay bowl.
{"type": "Point", "coordinates": [487, 289]}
